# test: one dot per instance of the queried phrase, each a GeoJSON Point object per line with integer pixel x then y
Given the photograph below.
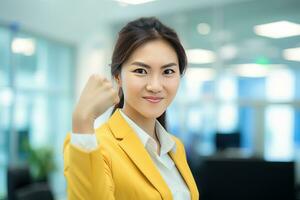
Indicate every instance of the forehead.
{"type": "Point", "coordinates": [154, 52]}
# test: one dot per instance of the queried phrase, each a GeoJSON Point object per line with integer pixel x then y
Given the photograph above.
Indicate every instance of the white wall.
{"type": "Point", "coordinates": [94, 56]}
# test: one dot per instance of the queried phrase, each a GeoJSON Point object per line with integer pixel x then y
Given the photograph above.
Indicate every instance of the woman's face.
{"type": "Point", "coordinates": [150, 79]}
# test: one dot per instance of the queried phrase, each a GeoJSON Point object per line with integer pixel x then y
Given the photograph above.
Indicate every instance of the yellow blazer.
{"type": "Point", "coordinates": [121, 168]}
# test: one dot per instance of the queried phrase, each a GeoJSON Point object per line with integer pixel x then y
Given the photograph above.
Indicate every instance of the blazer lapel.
{"type": "Point", "coordinates": [182, 166]}
{"type": "Point", "coordinates": [133, 147]}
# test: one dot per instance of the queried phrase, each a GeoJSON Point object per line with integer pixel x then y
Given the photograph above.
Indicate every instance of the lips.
{"type": "Point", "coordinates": [153, 99]}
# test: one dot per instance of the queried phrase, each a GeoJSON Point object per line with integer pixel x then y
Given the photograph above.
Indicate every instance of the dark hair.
{"type": "Point", "coordinates": [136, 33]}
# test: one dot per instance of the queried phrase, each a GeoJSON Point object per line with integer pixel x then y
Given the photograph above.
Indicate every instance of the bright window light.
{"type": "Point", "coordinates": [21, 117]}
{"type": "Point", "coordinates": [40, 78]}
{"type": "Point", "coordinates": [200, 56]}
{"type": "Point", "coordinates": [195, 78]}
{"type": "Point", "coordinates": [292, 54]}
{"type": "Point", "coordinates": [228, 115]}
{"type": "Point", "coordinates": [227, 88]}
{"type": "Point", "coordinates": [280, 29]}
{"type": "Point", "coordinates": [227, 118]}
{"type": "Point", "coordinates": [39, 136]}
{"type": "Point", "coordinates": [280, 85]}
{"type": "Point", "coordinates": [23, 46]}
{"type": "Point", "coordinates": [6, 97]}
{"type": "Point", "coordinates": [280, 122]}
{"type": "Point", "coordinates": [134, 2]}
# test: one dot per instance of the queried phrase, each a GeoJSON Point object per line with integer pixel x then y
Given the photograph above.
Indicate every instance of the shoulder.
{"type": "Point", "coordinates": [179, 143]}
{"type": "Point", "coordinates": [103, 133]}
{"type": "Point", "coordinates": [176, 139]}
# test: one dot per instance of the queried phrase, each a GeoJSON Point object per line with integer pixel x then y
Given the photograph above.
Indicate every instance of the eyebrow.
{"type": "Point", "coordinates": [147, 66]}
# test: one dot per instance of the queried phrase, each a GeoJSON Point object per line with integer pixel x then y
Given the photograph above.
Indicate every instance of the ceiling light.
{"type": "Point", "coordinates": [133, 2]}
{"type": "Point", "coordinates": [200, 74]}
{"type": "Point", "coordinates": [23, 46]}
{"type": "Point", "coordinates": [280, 29]}
{"type": "Point", "coordinates": [292, 54]}
{"type": "Point", "coordinates": [203, 28]}
{"type": "Point", "coordinates": [200, 56]}
{"type": "Point", "coordinates": [228, 52]}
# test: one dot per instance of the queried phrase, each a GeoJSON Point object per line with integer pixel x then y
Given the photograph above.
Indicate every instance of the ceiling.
{"type": "Point", "coordinates": [231, 21]}
{"type": "Point", "coordinates": [73, 20]}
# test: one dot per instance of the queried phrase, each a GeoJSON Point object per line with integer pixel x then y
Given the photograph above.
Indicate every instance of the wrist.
{"type": "Point", "coordinates": [82, 124]}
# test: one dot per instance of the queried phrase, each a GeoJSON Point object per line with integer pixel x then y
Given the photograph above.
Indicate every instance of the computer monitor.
{"type": "Point", "coordinates": [246, 179]}
{"type": "Point", "coordinates": [227, 140]}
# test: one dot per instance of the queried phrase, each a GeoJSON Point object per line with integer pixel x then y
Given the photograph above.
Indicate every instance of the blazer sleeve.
{"type": "Point", "coordinates": [88, 174]}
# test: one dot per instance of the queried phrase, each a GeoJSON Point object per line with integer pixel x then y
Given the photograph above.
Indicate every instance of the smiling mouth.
{"type": "Point", "coordinates": [153, 100]}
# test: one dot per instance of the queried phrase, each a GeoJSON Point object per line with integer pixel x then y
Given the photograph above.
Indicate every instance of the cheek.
{"type": "Point", "coordinates": [132, 86]}
{"type": "Point", "coordinates": [172, 86]}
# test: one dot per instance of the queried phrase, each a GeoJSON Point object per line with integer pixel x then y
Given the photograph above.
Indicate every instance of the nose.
{"type": "Point", "coordinates": [154, 84]}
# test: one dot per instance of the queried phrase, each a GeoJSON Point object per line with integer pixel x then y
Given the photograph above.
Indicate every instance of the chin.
{"type": "Point", "coordinates": [151, 113]}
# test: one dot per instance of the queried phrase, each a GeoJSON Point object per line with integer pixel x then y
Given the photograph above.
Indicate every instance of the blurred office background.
{"type": "Point", "coordinates": [239, 100]}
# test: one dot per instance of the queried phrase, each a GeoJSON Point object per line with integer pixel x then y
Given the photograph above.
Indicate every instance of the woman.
{"type": "Point", "coordinates": [131, 156]}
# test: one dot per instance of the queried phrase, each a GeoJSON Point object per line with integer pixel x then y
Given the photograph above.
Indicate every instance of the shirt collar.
{"type": "Point", "coordinates": [165, 139]}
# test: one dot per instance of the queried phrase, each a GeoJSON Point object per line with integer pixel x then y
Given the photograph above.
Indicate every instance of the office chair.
{"type": "Point", "coordinates": [20, 186]}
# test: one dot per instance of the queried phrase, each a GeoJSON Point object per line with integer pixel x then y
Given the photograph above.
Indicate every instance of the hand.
{"type": "Point", "coordinates": [97, 96]}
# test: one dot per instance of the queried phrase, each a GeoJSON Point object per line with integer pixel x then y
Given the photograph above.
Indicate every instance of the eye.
{"type": "Point", "coordinates": [169, 71]}
{"type": "Point", "coordinates": [140, 71]}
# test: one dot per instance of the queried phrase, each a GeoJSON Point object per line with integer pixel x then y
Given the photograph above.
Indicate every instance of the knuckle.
{"type": "Point", "coordinates": [107, 85]}
{"type": "Point", "coordinates": [94, 76]}
{"type": "Point", "coordinates": [110, 84]}
{"type": "Point", "coordinates": [98, 77]}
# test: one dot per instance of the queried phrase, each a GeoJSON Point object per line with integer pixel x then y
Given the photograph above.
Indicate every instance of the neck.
{"type": "Point", "coordinates": [147, 124]}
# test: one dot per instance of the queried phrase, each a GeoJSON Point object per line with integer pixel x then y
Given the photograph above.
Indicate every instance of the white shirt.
{"type": "Point", "coordinates": [163, 161]}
